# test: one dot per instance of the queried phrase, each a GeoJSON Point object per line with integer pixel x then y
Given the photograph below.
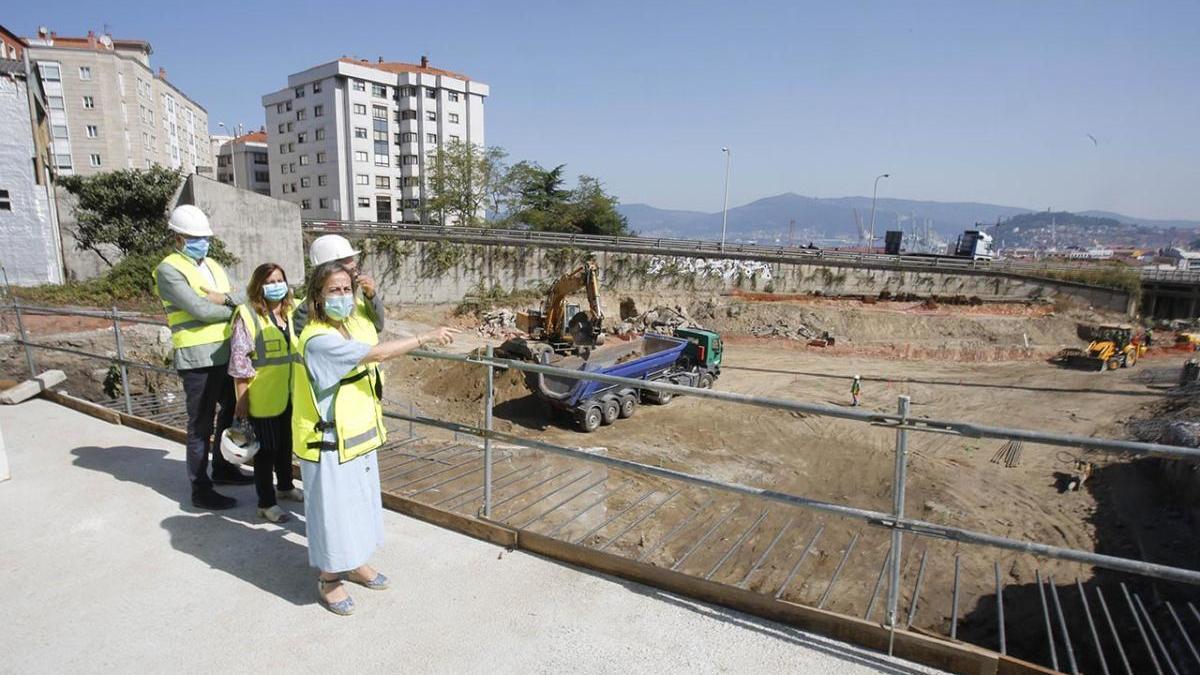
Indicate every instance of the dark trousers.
{"type": "Point", "coordinates": [274, 457]}
{"type": "Point", "coordinates": [206, 389]}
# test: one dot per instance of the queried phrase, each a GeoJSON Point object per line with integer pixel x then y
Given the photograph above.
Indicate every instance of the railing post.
{"type": "Point", "coordinates": [412, 412]}
{"type": "Point", "coordinates": [121, 362]}
{"type": "Point", "coordinates": [898, 481]}
{"type": "Point", "coordinates": [24, 339]}
{"type": "Point", "coordinates": [487, 440]}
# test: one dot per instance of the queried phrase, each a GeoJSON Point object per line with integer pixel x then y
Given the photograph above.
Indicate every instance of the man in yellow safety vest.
{"type": "Point", "coordinates": [199, 299]}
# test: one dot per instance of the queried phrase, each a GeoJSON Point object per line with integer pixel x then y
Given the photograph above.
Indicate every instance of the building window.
{"type": "Point", "coordinates": [94, 159]}
{"type": "Point", "coordinates": [301, 114]}
{"type": "Point", "coordinates": [318, 111]}
{"type": "Point", "coordinates": [291, 167]}
{"type": "Point", "coordinates": [412, 203]}
{"type": "Point", "coordinates": [430, 92]}
{"type": "Point", "coordinates": [278, 108]}
{"type": "Point", "coordinates": [299, 92]}
{"type": "Point", "coordinates": [316, 87]}
{"type": "Point", "coordinates": [260, 158]}
{"type": "Point", "coordinates": [290, 126]}
{"type": "Point", "coordinates": [302, 137]}
{"type": "Point", "coordinates": [360, 155]}
{"type": "Point", "coordinates": [360, 132]}
{"type": "Point", "coordinates": [410, 181]}
{"type": "Point", "coordinates": [283, 168]}
{"type": "Point", "coordinates": [282, 128]}
{"type": "Point", "coordinates": [305, 181]}
{"type": "Point", "coordinates": [58, 131]}
{"type": "Point", "coordinates": [306, 204]}
{"type": "Point", "coordinates": [454, 118]}
{"type": "Point", "coordinates": [321, 180]}
{"type": "Point", "coordinates": [379, 91]}
{"type": "Point", "coordinates": [406, 91]}
{"type": "Point", "coordinates": [454, 139]}
{"type": "Point", "coordinates": [303, 160]}
{"type": "Point", "coordinates": [262, 177]}
{"type": "Point", "coordinates": [5, 201]}
{"type": "Point", "coordinates": [364, 201]}
{"type": "Point", "coordinates": [383, 182]}
{"type": "Point", "coordinates": [430, 116]}
{"type": "Point", "coordinates": [287, 105]}
{"type": "Point", "coordinates": [379, 112]}
{"type": "Point", "coordinates": [55, 102]}
{"type": "Point", "coordinates": [431, 139]}
{"type": "Point", "coordinates": [359, 85]}
{"type": "Point", "coordinates": [410, 160]}
{"type": "Point", "coordinates": [360, 109]}
{"type": "Point", "coordinates": [63, 161]}
{"type": "Point", "coordinates": [92, 131]}
{"type": "Point", "coordinates": [89, 102]}
{"type": "Point", "coordinates": [85, 73]}
{"type": "Point", "coordinates": [323, 202]}
{"type": "Point", "coordinates": [408, 114]}
{"type": "Point", "coordinates": [320, 158]}
{"type": "Point", "coordinates": [282, 148]}
{"type": "Point", "coordinates": [453, 96]}
{"type": "Point", "coordinates": [50, 73]}
{"type": "Point", "coordinates": [291, 147]}
{"type": "Point", "coordinates": [319, 134]}
{"type": "Point", "coordinates": [362, 179]}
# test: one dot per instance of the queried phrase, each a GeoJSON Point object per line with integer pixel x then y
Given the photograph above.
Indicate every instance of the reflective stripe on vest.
{"type": "Point", "coordinates": [356, 418]}
{"type": "Point", "coordinates": [272, 359]}
{"type": "Point", "coordinates": [186, 330]}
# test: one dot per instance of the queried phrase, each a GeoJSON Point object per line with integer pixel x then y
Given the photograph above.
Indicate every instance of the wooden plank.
{"type": "Point", "coordinates": [151, 427]}
{"type": "Point", "coordinates": [85, 407]}
{"type": "Point", "coordinates": [955, 657]}
{"type": "Point", "coordinates": [1009, 665]}
{"type": "Point", "coordinates": [479, 529]}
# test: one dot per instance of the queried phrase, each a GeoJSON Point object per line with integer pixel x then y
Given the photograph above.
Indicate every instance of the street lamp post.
{"type": "Point", "coordinates": [725, 210]}
{"type": "Point", "coordinates": [874, 194]}
{"type": "Point", "coordinates": [232, 167]}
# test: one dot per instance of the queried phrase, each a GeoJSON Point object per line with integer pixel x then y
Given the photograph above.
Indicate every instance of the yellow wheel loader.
{"type": "Point", "coordinates": [1113, 347]}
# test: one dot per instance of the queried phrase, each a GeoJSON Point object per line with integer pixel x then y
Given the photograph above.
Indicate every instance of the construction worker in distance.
{"type": "Point", "coordinates": [855, 390]}
{"type": "Point", "coordinates": [199, 300]}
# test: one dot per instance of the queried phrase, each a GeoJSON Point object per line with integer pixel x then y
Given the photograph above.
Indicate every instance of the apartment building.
{"type": "Point", "coordinates": [349, 139]}
{"type": "Point", "coordinates": [243, 162]}
{"type": "Point", "coordinates": [109, 110]}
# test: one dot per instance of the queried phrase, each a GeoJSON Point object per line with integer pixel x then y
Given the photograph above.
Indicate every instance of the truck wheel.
{"type": "Point", "coordinates": [610, 410]}
{"type": "Point", "coordinates": [706, 381]}
{"type": "Point", "coordinates": [591, 418]}
{"type": "Point", "coordinates": [1113, 364]}
{"type": "Point", "coordinates": [628, 406]}
{"type": "Point", "coordinates": [662, 397]}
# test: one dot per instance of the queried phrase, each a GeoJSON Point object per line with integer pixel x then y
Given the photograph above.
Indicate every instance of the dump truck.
{"type": "Point", "coordinates": [690, 357]}
{"type": "Point", "coordinates": [1113, 347]}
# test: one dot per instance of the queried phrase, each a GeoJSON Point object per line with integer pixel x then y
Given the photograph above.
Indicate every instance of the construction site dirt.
{"type": "Point", "coordinates": [984, 363]}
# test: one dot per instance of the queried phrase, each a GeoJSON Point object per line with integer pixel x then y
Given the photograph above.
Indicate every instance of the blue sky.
{"type": "Point", "coordinates": [960, 101]}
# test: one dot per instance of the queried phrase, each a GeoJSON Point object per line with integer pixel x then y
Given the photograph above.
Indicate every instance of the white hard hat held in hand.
{"type": "Point", "coordinates": [329, 247]}
{"type": "Point", "coordinates": [238, 444]}
{"type": "Point", "coordinates": [189, 221]}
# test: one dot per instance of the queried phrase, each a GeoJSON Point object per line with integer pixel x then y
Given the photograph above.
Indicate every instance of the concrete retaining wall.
{"type": "Point", "coordinates": [441, 272]}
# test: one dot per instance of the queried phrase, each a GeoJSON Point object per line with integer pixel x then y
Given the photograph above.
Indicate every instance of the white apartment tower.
{"type": "Point", "coordinates": [109, 110]}
{"type": "Point", "coordinates": [347, 140]}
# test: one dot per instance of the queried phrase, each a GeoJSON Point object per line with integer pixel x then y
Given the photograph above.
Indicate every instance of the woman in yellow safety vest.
{"type": "Point", "coordinates": [337, 424]}
{"type": "Point", "coordinates": [263, 346]}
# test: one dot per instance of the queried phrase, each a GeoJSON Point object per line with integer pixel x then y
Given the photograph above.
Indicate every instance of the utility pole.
{"type": "Point", "coordinates": [725, 211]}
{"type": "Point", "coordinates": [874, 194]}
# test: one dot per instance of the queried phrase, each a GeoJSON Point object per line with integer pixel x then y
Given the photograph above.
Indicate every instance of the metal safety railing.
{"type": "Point", "coordinates": [694, 247]}
{"type": "Point", "coordinates": [902, 422]}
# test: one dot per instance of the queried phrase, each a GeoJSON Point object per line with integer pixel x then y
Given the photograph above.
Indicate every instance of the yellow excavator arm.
{"type": "Point", "coordinates": [587, 277]}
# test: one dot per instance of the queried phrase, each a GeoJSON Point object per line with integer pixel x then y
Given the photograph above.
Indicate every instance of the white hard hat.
{"type": "Point", "coordinates": [190, 221]}
{"type": "Point", "coordinates": [857, 377]}
{"type": "Point", "coordinates": [238, 446]}
{"type": "Point", "coordinates": [328, 247]}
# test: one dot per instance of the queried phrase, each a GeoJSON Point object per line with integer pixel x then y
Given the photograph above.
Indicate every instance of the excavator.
{"type": "Point", "coordinates": [560, 327]}
{"type": "Point", "coordinates": [1114, 347]}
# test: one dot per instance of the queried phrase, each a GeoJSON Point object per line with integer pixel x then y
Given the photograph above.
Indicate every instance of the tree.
{"type": "Point", "coordinates": [125, 209]}
{"type": "Point", "coordinates": [462, 179]}
{"type": "Point", "coordinates": [540, 202]}
{"type": "Point", "coordinates": [593, 211]}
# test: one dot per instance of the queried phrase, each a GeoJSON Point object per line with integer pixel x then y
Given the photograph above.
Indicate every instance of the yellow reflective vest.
{"type": "Point", "coordinates": [186, 330]}
{"type": "Point", "coordinates": [274, 353]}
{"type": "Point", "coordinates": [356, 414]}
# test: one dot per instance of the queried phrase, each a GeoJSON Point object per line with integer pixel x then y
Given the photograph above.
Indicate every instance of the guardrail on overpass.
{"type": "Point", "coordinates": [706, 248]}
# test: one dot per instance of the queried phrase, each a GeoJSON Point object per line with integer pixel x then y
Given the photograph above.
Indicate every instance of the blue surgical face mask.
{"type": "Point", "coordinates": [276, 291]}
{"type": "Point", "coordinates": [196, 249]}
{"type": "Point", "coordinates": [339, 307]}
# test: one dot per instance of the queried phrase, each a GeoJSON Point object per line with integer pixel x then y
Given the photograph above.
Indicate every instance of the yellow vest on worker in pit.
{"type": "Point", "coordinates": [186, 330]}
{"type": "Point", "coordinates": [356, 416]}
{"type": "Point", "coordinates": [274, 353]}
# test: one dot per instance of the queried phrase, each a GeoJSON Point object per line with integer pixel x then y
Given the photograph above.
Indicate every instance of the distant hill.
{"type": "Point", "coordinates": [1062, 229]}
{"type": "Point", "coordinates": [832, 218]}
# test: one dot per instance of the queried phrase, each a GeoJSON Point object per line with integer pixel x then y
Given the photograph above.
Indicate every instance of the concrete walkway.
{"type": "Point", "coordinates": [104, 570]}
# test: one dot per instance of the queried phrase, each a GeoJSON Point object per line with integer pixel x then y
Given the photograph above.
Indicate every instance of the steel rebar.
{"type": "Point", "coordinates": [1037, 575]}
{"type": "Point", "coordinates": [700, 542]}
{"type": "Point", "coordinates": [531, 487]}
{"type": "Point", "coordinates": [912, 605]}
{"type": "Point", "coordinates": [634, 523]}
{"type": "Point", "coordinates": [737, 545]}
{"type": "Point", "coordinates": [883, 567]}
{"type": "Point", "coordinates": [799, 562]}
{"type": "Point", "coordinates": [1141, 629]}
{"type": "Point", "coordinates": [546, 496]}
{"type": "Point", "coordinates": [1112, 627]}
{"type": "Point", "coordinates": [954, 602]}
{"type": "Point", "coordinates": [1000, 606]}
{"type": "Point", "coordinates": [837, 572]}
{"type": "Point", "coordinates": [766, 552]}
{"type": "Point", "coordinates": [1062, 624]}
{"type": "Point", "coordinates": [620, 513]}
{"type": "Point", "coordinates": [1183, 631]}
{"type": "Point", "coordinates": [675, 530]}
{"type": "Point", "coordinates": [1154, 632]}
{"type": "Point", "coordinates": [560, 504]}
{"type": "Point", "coordinates": [1087, 612]}
{"type": "Point", "coordinates": [598, 501]}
